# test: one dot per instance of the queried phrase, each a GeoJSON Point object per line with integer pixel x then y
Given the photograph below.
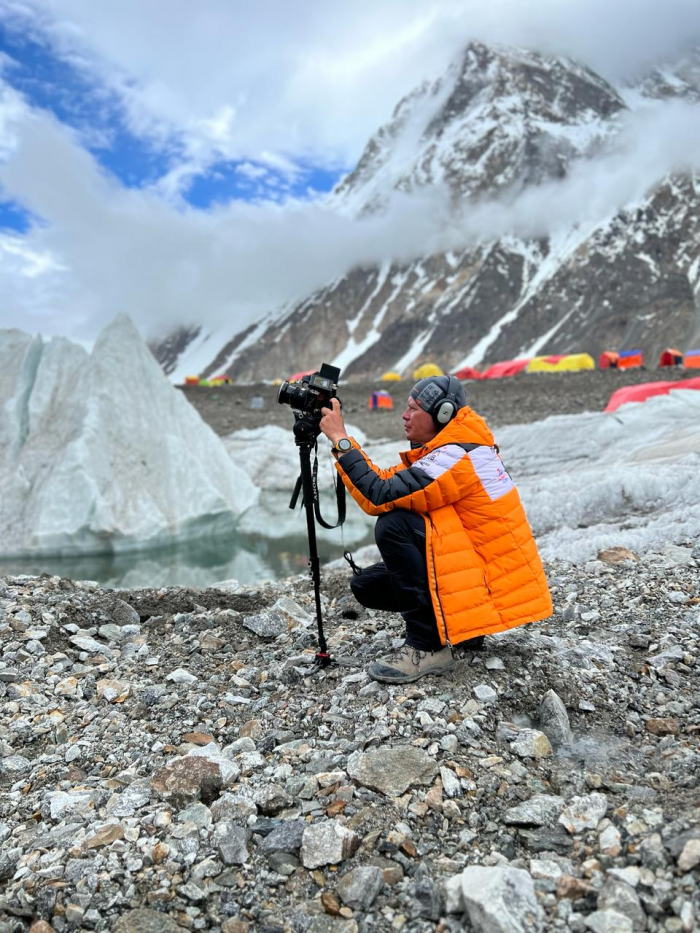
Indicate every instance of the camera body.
{"type": "Point", "coordinates": [308, 398]}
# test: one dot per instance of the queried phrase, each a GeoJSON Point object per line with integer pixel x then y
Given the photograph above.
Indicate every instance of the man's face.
{"type": "Point", "coordinates": [420, 427]}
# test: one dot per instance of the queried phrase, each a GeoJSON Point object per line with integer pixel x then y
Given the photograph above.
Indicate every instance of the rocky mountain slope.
{"type": "Point", "coordinates": [496, 126]}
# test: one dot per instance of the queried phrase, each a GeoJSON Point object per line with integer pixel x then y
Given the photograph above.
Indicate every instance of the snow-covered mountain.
{"type": "Point", "coordinates": [499, 125]}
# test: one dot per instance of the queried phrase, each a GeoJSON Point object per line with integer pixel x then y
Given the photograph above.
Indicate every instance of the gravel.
{"type": "Point", "coordinates": [168, 764]}
{"type": "Point", "coordinates": [518, 400]}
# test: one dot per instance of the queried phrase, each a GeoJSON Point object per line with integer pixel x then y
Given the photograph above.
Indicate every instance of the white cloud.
{"type": "Point", "coordinates": [106, 249]}
{"type": "Point", "coordinates": [314, 79]}
{"type": "Point", "coordinates": [279, 85]}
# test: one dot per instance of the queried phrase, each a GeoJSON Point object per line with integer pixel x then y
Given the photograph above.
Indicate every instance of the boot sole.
{"type": "Point", "coordinates": [410, 678]}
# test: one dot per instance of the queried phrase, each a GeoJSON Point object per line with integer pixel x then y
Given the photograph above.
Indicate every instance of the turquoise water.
{"type": "Point", "coordinates": [204, 562]}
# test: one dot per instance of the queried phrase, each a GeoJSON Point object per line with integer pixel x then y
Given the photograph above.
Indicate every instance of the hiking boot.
{"type": "Point", "coordinates": [408, 664]}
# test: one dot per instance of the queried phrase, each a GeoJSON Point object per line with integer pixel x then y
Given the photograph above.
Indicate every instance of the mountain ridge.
{"type": "Point", "coordinates": [500, 123]}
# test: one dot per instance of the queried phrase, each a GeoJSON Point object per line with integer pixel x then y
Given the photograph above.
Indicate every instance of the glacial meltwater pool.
{"type": "Point", "coordinates": [246, 558]}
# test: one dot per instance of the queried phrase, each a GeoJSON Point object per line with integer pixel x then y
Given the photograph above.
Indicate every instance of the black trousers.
{"type": "Point", "coordinates": [399, 583]}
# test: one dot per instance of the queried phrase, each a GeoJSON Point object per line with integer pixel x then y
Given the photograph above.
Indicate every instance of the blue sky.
{"type": "Point", "coordinates": [49, 82]}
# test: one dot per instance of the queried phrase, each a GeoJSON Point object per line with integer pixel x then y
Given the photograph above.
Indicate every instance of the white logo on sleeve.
{"type": "Point", "coordinates": [494, 477]}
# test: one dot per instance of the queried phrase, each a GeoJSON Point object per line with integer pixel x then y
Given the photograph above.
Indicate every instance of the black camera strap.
{"type": "Point", "coordinates": [339, 495]}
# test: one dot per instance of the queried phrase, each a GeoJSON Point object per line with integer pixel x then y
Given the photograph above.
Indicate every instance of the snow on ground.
{"type": "Point", "coordinates": [629, 478]}
{"type": "Point", "coordinates": [100, 453]}
{"type": "Point", "coordinates": [271, 459]}
{"type": "Point", "coordinates": [588, 481]}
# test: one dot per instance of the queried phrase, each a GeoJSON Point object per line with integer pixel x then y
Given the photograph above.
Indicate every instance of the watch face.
{"type": "Point", "coordinates": [344, 444]}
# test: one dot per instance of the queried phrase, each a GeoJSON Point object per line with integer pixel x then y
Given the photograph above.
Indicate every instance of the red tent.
{"type": "Point", "coordinates": [691, 359]}
{"type": "Point", "coordinates": [670, 357]}
{"type": "Point", "coordinates": [298, 376]}
{"type": "Point", "coordinates": [608, 359]}
{"type": "Point", "coordinates": [506, 368]}
{"type": "Point", "coordinates": [646, 390]}
{"type": "Point", "coordinates": [468, 372]}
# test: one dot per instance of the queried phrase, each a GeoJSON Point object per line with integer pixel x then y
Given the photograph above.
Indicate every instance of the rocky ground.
{"type": "Point", "coordinates": [519, 400]}
{"type": "Point", "coordinates": [172, 760]}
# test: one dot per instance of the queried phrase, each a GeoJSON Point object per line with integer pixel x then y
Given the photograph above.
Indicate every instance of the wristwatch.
{"type": "Point", "coordinates": [342, 446]}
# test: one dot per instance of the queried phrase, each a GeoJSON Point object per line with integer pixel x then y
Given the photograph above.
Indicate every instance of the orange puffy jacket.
{"type": "Point", "coordinates": [484, 570]}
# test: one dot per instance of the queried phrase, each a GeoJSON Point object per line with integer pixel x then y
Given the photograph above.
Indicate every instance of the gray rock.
{"type": "Point", "coordinates": [608, 921]}
{"type": "Point", "coordinates": [554, 720]}
{"type": "Point", "coordinates": [539, 810]}
{"type": "Point", "coordinates": [233, 807]}
{"type": "Point", "coordinates": [392, 771]}
{"type": "Point", "coordinates": [327, 844]}
{"type": "Point", "coordinates": [136, 796]}
{"type": "Point", "coordinates": [15, 766]}
{"type": "Point", "coordinates": [485, 694]}
{"type": "Point", "coordinates": [620, 897]}
{"type": "Point", "coordinates": [531, 743]}
{"type": "Point", "coordinates": [145, 921]}
{"type": "Point", "coordinates": [496, 900]}
{"type": "Point", "coordinates": [197, 813]}
{"type": "Point", "coordinates": [231, 841]}
{"type": "Point", "coordinates": [584, 812]}
{"type": "Point", "coordinates": [359, 887]}
{"type": "Point", "coordinates": [272, 798]}
{"type": "Point", "coordinates": [284, 838]}
{"type": "Point", "coordinates": [267, 624]}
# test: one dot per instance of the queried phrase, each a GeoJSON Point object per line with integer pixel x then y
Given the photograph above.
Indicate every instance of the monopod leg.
{"type": "Point", "coordinates": [322, 656]}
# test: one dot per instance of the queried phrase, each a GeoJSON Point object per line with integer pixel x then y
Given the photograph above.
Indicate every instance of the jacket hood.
{"type": "Point", "coordinates": [465, 428]}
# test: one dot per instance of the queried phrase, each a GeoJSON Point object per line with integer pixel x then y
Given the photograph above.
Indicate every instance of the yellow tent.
{"type": "Point", "coordinates": [560, 364]}
{"type": "Point", "coordinates": [391, 377]}
{"type": "Point", "coordinates": [427, 369]}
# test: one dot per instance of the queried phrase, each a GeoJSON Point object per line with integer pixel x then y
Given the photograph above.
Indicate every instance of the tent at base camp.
{"type": "Point", "coordinates": [505, 368]}
{"type": "Point", "coordinates": [630, 359]}
{"type": "Point", "coordinates": [572, 362]}
{"type": "Point", "coordinates": [427, 369]}
{"type": "Point", "coordinates": [646, 390]}
{"type": "Point", "coordinates": [691, 360]}
{"type": "Point", "coordinates": [608, 359]}
{"type": "Point", "coordinates": [468, 372]}
{"type": "Point", "coordinates": [380, 399]}
{"type": "Point", "coordinates": [297, 377]}
{"type": "Point", "coordinates": [670, 357]}
{"type": "Point", "coordinates": [391, 377]}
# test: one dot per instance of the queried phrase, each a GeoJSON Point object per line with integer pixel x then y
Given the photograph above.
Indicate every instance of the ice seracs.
{"type": "Point", "coordinates": [100, 453]}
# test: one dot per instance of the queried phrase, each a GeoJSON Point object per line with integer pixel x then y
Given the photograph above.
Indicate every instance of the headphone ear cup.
{"type": "Point", "coordinates": [444, 412]}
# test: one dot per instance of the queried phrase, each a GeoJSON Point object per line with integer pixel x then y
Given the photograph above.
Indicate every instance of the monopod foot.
{"type": "Point", "coordinates": [322, 659]}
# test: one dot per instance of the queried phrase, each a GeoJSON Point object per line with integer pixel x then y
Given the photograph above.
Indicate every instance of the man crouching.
{"type": "Point", "coordinates": [458, 557]}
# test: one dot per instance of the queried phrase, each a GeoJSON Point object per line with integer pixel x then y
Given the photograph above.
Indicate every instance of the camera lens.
{"type": "Point", "coordinates": [282, 394]}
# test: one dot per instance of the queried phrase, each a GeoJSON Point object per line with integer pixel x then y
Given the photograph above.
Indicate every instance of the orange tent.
{"type": "Point", "coordinates": [608, 360]}
{"type": "Point", "coordinates": [191, 380]}
{"type": "Point", "coordinates": [505, 368]}
{"type": "Point", "coordinates": [692, 359]}
{"type": "Point", "coordinates": [380, 399]}
{"type": "Point", "coordinates": [630, 359]}
{"type": "Point", "coordinates": [297, 377]}
{"type": "Point", "coordinates": [642, 392]}
{"type": "Point", "coordinates": [468, 372]}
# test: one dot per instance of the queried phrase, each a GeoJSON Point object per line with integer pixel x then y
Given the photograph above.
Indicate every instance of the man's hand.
{"type": "Point", "coordinates": [331, 423]}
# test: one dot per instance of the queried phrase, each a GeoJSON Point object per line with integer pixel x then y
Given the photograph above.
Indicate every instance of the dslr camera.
{"type": "Point", "coordinates": [307, 398]}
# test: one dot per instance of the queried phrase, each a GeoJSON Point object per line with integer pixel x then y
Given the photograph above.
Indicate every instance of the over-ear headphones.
{"type": "Point", "coordinates": [444, 410]}
{"type": "Point", "coordinates": [439, 403]}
